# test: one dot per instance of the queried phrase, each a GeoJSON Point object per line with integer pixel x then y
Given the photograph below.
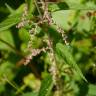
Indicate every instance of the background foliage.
{"type": "Point", "coordinates": [78, 19]}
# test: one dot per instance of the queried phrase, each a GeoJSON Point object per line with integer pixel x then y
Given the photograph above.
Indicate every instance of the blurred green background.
{"type": "Point", "coordinates": [77, 18]}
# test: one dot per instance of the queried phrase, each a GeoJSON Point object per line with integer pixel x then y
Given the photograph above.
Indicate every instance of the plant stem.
{"type": "Point", "coordinates": [12, 47]}
{"type": "Point", "coordinates": [35, 1]}
{"type": "Point", "coordinates": [12, 84]}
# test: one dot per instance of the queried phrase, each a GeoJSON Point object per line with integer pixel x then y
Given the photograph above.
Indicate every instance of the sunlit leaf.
{"type": "Point", "coordinates": [64, 18]}
{"type": "Point", "coordinates": [10, 21]}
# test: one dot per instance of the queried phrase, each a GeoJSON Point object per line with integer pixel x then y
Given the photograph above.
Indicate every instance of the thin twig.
{"type": "Point", "coordinates": [11, 83]}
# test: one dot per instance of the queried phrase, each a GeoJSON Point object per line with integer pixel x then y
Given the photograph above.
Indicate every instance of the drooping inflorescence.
{"type": "Point", "coordinates": [46, 18]}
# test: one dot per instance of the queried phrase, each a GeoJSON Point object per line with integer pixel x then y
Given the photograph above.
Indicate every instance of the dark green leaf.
{"type": "Point", "coordinates": [65, 53]}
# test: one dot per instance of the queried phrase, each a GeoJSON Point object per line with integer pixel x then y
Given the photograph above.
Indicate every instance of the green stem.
{"type": "Point", "coordinates": [35, 1]}
{"type": "Point", "coordinates": [12, 47]}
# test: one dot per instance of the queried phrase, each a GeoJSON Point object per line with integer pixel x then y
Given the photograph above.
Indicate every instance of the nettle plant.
{"type": "Point", "coordinates": [48, 40]}
{"type": "Point", "coordinates": [42, 29]}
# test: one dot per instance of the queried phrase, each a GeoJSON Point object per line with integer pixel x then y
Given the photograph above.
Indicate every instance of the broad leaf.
{"type": "Point", "coordinates": [63, 18]}
{"type": "Point", "coordinates": [9, 22]}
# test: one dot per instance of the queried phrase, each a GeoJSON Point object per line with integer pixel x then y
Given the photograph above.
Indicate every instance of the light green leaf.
{"type": "Point", "coordinates": [77, 5]}
{"type": "Point", "coordinates": [30, 94]}
{"type": "Point", "coordinates": [65, 53]}
{"type": "Point", "coordinates": [20, 9]}
{"type": "Point", "coordinates": [63, 18]}
{"type": "Point", "coordinates": [92, 90]}
{"type": "Point", "coordinates": [7, 37]}
{"type": "Point", "coordinates": [11, 10]}
{"type": "Point", "coordinates": [46, 86]}
{"type": "Point", "coordinates": [84, 24]}
{"type": "Point", "coordinates": [24, 35]}
{"type": "Point", "coordinates": [9, 22]}
{"type": "Point", "coordinates": [8, 67]}
{"type": "Point", "coordinates": [31, 6]}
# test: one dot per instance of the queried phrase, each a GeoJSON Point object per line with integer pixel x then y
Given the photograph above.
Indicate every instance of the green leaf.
{"type": "Point", "coordinates": [9, 22]}
{"type": "Point", "coordinates": [46, 86]}
{"type": "Point", "coordinates": [11, 10]}
{"type": "Point", "coordinates": [63, 18]}
{"type": "Point", "coordinates": [31, 6]}
{"type": "Point", "coordinates": [7, 37]}
{"type": "Point", "coordinates": [77, 5]}
{"type": "Point", "coordinates": [84, 24]}
{"type": "Point", "coordinates": [92, 90]}
{"type": "Point", "coordinates": [65, 53]}
{"type": "Point", "coordinates": [24, 35]}
{"type": "Point", "coordinates": [20, 9]}
{"type": "Point", "coordinates": [30, 94]}
{"type": "Point", "coordinates": [9, 68]}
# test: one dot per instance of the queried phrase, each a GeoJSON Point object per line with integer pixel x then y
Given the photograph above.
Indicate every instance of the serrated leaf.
{"type": "Point", "coordinates": [9, 22]}
{"type": "Point", "coordinates": [64, 52]}
{"type": "Point", "coordinates": [46, 86]}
